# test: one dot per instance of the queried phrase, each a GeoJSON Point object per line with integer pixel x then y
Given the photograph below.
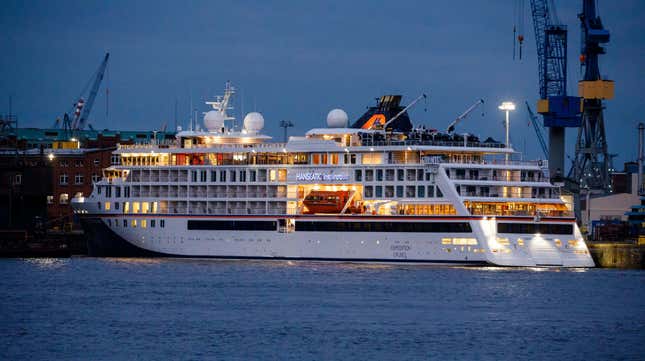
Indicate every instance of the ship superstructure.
{"type": "Point", "coordinates": [362, 193]}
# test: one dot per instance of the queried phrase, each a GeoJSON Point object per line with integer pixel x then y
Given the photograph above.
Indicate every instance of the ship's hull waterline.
{"type": "Point", "coordinates": [474, 245]}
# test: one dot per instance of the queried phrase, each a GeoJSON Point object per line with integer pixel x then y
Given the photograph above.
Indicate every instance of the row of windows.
{"type": "Point", "coordinates": [117, 191]}
{"type": "Point", "coordinates": [78, 178]}
{"type": "Point", "coordinates": [392, 175]}
{"type": "Point", "coordinates": [420, 227]}
{"type": "Point", "coordinates": [241, 176]}
{"type": "Point", "coordinates": [401, 191]}
{"type": "Point", "coordinates": [77, 163]}
{"type": "Point", "coordinates": [143, 223]}
{"type": "Point", "coordinates": [232, 225]}
{"type": "Point", "coordinates": [533, 228]}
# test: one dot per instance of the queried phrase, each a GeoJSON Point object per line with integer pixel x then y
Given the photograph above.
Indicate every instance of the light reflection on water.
{"type": "Point", "coordinates": [47, 263]}
{"type": "Point", "coordinates": [125, 308]}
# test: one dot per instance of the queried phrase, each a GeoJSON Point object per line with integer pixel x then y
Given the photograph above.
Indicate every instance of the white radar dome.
{"type": "Point", "coordinates": [337, 118]}
{"type": "Point", "coordinates": [214, 121]}
{"type": "Point", "coordinates": [253, 122]}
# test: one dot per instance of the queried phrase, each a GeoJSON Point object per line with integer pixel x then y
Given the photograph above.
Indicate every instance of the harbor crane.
{"type": "Point", "coordinates": [558, 110]}
{"type": "Point", "coordinates": [454, 123]}
{"type": "Point", "coordinates": [538, 132]}
{"type": "Point", "coordinates": [591, 165]}
{"type": "Point", "coordinates": [83, 108]}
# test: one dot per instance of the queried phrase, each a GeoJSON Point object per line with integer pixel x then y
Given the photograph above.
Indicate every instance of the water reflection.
{"type": "Point", "coordinates": [48, 263]}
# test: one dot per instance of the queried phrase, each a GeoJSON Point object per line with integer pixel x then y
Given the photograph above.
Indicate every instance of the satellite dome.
{"type": "Point", "coordinates": [253, 122]}
{"type": "Point", "coordinates": [337, 118]}
{"type": "Point", "coordinates": [214, 121]}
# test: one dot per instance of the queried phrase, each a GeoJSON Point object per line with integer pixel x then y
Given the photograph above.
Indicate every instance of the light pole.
{"type": "Point", "coordinates": [507, 107]}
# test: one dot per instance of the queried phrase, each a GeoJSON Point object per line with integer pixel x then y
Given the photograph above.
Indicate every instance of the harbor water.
{"type": "Point", "coordinates": [102, 309]}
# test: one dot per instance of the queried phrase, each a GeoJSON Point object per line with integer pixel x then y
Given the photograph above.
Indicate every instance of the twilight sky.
{"type": "Point", "coordinates": [297, 60]}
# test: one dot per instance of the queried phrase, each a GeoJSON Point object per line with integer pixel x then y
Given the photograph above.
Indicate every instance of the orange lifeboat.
{"type": "Point", "coordinates": [325, 201]}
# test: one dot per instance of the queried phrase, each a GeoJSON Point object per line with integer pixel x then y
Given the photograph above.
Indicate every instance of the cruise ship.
{"type": "Point", "coordinates": [378, 190]}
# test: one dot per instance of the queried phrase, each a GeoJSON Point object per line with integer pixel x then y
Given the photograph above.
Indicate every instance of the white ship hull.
{"type": "Point", "coordinates": [175, 240]}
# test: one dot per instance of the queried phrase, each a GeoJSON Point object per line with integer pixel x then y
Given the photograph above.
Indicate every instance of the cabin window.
{"type": "Point", "coordinates": [389, 191]}
{"type": "Point", "coordinates": [334, 158]}
{"type": "Point", "coordinates": [389, 175]}
{"type": "Point", "coordinates": [193, 176]}
{"type": "Point", "coordinates": [152, 223]}
{"type": "Point", "coordinates": [419, 174]}
{"type": "Point", "coordinates": [162, 223]}
{"type": "Point", "coordinates": [252, 176]}
{"type": "Point", "coordinates": [411, 175]}
{"type": "Point", "coordinates": [222, 176]}
{"type": "Point", "coordinates": [350, 158]}
{"type": "Point", "coordinates": [379, 175]}
{"type": "Point", "coordinates": [369, 175]}
{"type": "Point", "coordinates": [117, 192]}
{"type": "Point", "coordinates": [213, 176]}
{"type": "Point", "coordinates": [202, 176]}
{"type": "Point", "coordinates": [369, 192]}
{"type": "Point", "coordinates": [242, 176]}
{"type": "Point", "coordinates": [379, 191]}
{"type": "Point", "coordinates": [358, 175]}
{"type": "Point", "coordinates": [409, 191]}
{"type": "Point", "coordinates": [421, 191]}
{"type": "Point", "coordinates": [400, 174]}
{"type": "Point", "coordinates": [399, 191]}
{"type": "Point", "coordinates": [64, 198]}
{"type": "Point", "coordinates": [107, 206]}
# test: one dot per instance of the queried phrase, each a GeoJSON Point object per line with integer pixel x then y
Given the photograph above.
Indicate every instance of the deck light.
{"type": "Point", "coordinates": [507, 107]}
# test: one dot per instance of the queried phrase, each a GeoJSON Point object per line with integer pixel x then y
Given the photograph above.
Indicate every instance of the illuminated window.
{"type": "Point", "coordinates": [145, 207]}
{"type": "Point", "coordinates": [372, 158]}
{"type": "Point", "coordinates": [135, 207]}
{"type": "Point", "coordinates": [464, 241]}
{"type": "Point", "coordinates": [334, 158]}
{"type": "Point", "coordinates": [50, 199]}
{"type": "Point", "coordinates": [572, 243]}
{"type": "Point", "coordinates": [557, 242]}
{"type": "Point", "coordinates": [446, 241]}
{"type": "Point", "coordinates": [143, 223]}
{"type": "Point", "coordinates": [134, 223]}
{"type": "Point", "coordinates": [154, 207]}
{"type": "Point", "coordinates": [107, 206]}
{"type": "Point", "coordinates": [272, 175]}
{"type": "Point", "coordinates": [126, 207]}
{"type": "Point", "coordinates": [503, 241]}
{"type": "Point", "coordinates": [64, 198]}
{"type": "Point", "coordinates": [520, 242]}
